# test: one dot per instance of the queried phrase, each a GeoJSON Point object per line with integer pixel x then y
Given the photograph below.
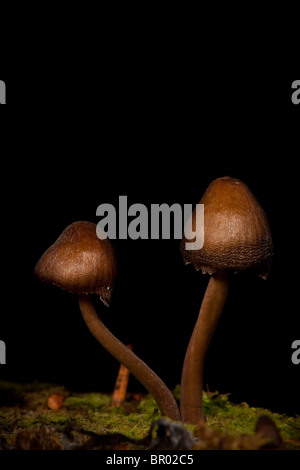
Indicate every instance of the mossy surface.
{"type": "Point", "coordinates": [24, 407]}
{"type": "Point", "coordinates": [233, 419]}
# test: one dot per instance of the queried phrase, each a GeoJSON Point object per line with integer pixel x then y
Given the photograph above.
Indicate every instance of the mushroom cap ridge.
{"type": "Point", "coordinates": [237, 234]}
{"type": "Point", "coordinates": [79, 262]}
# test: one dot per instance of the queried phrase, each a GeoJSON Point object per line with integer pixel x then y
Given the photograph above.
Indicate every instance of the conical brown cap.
{"type": "Point", "coordinates": [237, 234]}
{"type": "Point", "coordinates": [80, 262]}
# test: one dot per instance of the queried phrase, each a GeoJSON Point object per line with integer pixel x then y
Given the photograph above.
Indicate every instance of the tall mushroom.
{"type": "Point", "coordinates": [237, 236]}
{"type": "Point", "coordinates": [81, 263]}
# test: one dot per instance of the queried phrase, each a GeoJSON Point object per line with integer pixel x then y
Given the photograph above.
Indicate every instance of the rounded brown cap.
{"type": "Point", "coordinates": [237, 234]}
{"type": "Point", "coordinates": [80, 262]}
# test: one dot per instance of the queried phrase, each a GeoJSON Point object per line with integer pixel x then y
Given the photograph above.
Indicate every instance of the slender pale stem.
{"type": "Point", "coordinates": [191, 404]}
{"type": "Point", "coordinates": [155, 386]}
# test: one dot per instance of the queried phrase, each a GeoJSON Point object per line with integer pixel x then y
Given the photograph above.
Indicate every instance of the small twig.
{"type": "Point", "coordinates": [120, 390]}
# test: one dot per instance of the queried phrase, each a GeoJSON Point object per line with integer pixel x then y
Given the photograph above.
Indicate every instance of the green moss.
{"type": "Point", "coordinates": [133, 425]}
{"type": "Point", "coordinates": [225, 416]}
{"type": "Point", "coordinates": [148, 407]}
{"type": "Point", "coordinates": [92, 412]}
{"type": "Point", "coordinates": [90, 401]}
{"type": "Point", "coordinates": [31, 420]}
{"type": "Point", "coordinates": [176, 393]}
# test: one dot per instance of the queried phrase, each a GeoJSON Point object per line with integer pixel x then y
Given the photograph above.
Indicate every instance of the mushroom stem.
{"type": "Point", "coordinates": [155, 386]}
{"type": "Point", "coordinates": [191, 404]}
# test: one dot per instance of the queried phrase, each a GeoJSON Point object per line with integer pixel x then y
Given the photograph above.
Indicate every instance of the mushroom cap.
{"type": "Point", "coordinates": [80, 262]}
{"type": "Point", "coordinates": [237, 234]}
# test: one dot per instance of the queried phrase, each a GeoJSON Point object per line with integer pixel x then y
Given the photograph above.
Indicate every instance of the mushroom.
{"type": "Point", "coordinates": [237, 237]}
{"type": "Point", "coordinates": [81, 263]}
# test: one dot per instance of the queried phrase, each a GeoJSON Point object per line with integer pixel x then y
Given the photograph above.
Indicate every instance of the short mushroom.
{"type": "Point", "coordinates": [237, 237]}
{"type": "Point", "coordinates": [81, 263]}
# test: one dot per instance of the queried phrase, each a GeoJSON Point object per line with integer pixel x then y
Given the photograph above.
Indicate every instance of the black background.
{"type": "Point", "coordinates": [158, 133]}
